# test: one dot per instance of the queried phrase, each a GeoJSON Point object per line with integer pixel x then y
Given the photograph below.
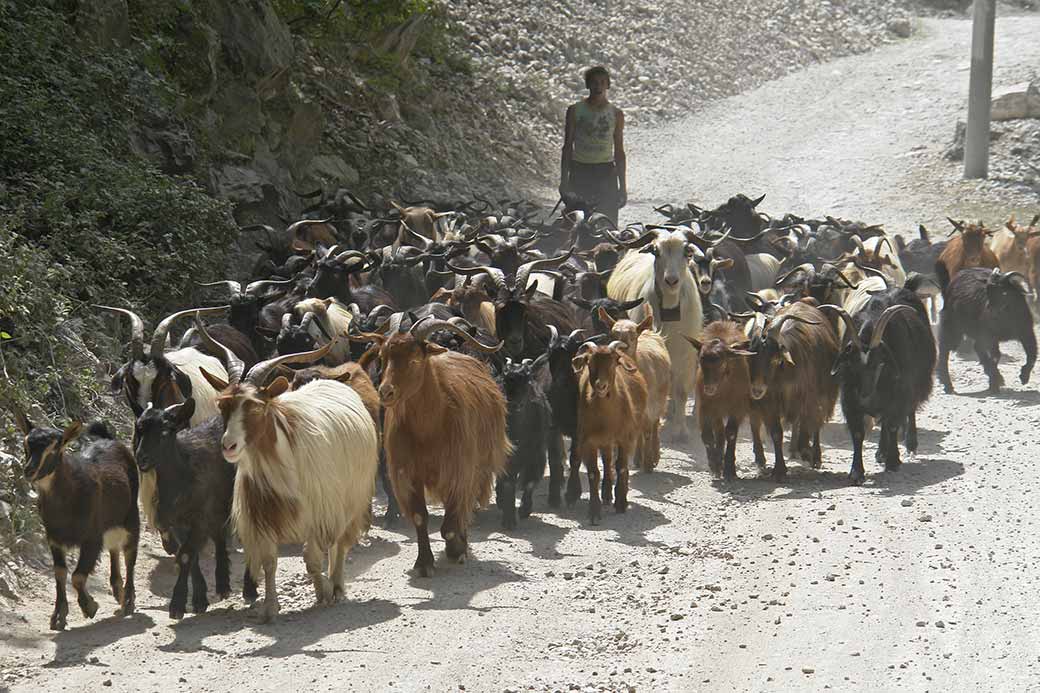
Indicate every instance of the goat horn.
{"type": "Point", "coordinates": [777, 326]}
{"type": "Point", "coordinates": [616, 345]}
{"type": "Point", "coordinates": [805, 267]}
{"type": "Point", "coordinates": [858, 242]}
{"type": "Point", "coordinates": [576, 333]}
{"type": "Point", "coordinates": [648, 237]}
{"type": "Point", "coordinates": [253, 287]}
{"type": "Point", "coordinates": [872, 270]}
{"type": "Point", "coordinates": [235, 366]}
{"type": "Point", "coordinates": [136, 330]}
{"type": "Point", "coordinates": [884, 239]}
{"type": "Point", "coordinates": [342, 258]}
{"type": "Point", "coordinates": [1011, 276]}
{"type": "Point", "coordinates": [524, 271]}
{"type": "Point", "coordinates": [302, 223]}
{"type": "Point", "coordinates": [235, 287]}
{"type": "Point", "coordinates": [258, 373]}
{"type": "Point", "coordinates": [415, 237]}
{"type": "Point", "coordinates": [756, 236]}
{"type": "Point", "coordinates": [554, 334]}
{"type": "Point", "coordinates": [497, 276]}
{"type": "Point", "coordinates": [957, 226]}
{"type": "Point", "coordinates": [163, 328]}
{"type": "Point", "coordinates": [429, 325]}
{"type": "Point", "coordinates": [882, 323]}
{"type": "Point", "coordinates": [850, 327]}
{"type": "Point", "coordinates": [1036, 218]}
{"type": "Point", "coordinates": [286, 320]}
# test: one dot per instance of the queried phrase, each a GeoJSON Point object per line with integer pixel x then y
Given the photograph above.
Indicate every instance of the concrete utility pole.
{"type": "Point", "coordinates": [976, 136]}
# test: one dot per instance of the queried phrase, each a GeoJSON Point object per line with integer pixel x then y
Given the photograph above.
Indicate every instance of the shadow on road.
{"type": "Point", "coordinates": [1019, 398]}
{"type": "Point", "coordinates": [836, 435]}
{"type": "Point", "coordinates": [454, 585]}
{"type": "Point", "coordinates": [74, 646]}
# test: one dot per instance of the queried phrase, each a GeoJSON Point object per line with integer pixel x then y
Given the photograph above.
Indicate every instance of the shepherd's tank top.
{"type": "Point", "coordinates": [594, 134]}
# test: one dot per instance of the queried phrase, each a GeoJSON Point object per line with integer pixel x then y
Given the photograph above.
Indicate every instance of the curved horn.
{"type": "Point", "coordinates": [646, 238]}
{"type": "Point", "coordinates": [1011, 276]}
{"type": "Point", "coordinates": [414, 237]}
{"type": "Point", "coordinates": [258, 373]}
{"type": "Point", "coordinates": [882, 323]}
{"type": "Point", "coordinates": [497, 276]}
{"type": "Point", "coordinates": [616, 345]}
{"type": "Point", "coordinates": [850, 327]}
{"type": "Point", "coordinates": [858, 242]}
{"type": "Point", "coordinates": [427, 326]}
{"type": "Point", "coordinates": [778, 325]}
{"type": "Point", "coordinates": [235, 366]}
{"type": "Point", "coordinates": [877, 248]}
{"type": "Point", "coordinates": [874, 271]}
{"type": "Point", "coordinates": [804, 267]}
{"type": "Point", "coordinates": [253, 287]}
{"type": "Point", "coordinates": [234, 287]}
{"type": "Point", "coordinates": [163, 328]}
{"type": "Point", "coordinates": [136, 330]}
{"type": "Point", "coordinates": [342, 258]}
{"type": "Point", "coordinates": [524, 271]}
{"type": "Point", "coordinates": [554, 334]}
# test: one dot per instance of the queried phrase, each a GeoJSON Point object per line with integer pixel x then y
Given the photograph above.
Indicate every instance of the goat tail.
{"type": "Point", "coordinates": [943, 276]}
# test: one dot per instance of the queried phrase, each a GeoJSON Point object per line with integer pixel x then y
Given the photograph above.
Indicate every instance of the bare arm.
{"type": "Point", "coordinates": [568, 150]}
{"type": "Point", "coordinates": [619, 158]}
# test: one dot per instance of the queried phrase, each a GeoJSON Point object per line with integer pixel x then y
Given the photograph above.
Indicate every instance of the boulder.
{"type": "Point", "coordinates": [1016, 101]}
{"type": "Point", "coordinates": [332, 169]}
{"type": "Point", "coordinates": [900, 26]}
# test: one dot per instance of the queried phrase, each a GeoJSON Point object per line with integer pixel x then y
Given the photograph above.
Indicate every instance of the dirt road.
{"type": "Point", "coordinates": [920, 580]}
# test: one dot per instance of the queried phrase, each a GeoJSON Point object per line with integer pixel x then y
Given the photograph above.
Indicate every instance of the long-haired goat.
{"type": "Point", "coordinates": [306, 469]}
{"type": "Point", "coordinates": [658, 273]}
{"type": "Point", "coordinates": [527, 420]}
{"type": "Point", "coordinates": [444, 431]}
{"type": "Point", "coordinates": [990, 307]}
{"type": "Point", "coordinates": [886, 370]}
{"type": "Point", "coordinates": [968, 249]}
{"type": "Point", "coordinates": [87, 499]}
{"type": "Point", "coordinates": [791, 380]}
{"type": "Point", "coordinates": [611, 415]}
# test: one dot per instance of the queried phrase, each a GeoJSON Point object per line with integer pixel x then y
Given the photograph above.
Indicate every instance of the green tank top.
{"type": "Point", "coordinates": [594, 134]}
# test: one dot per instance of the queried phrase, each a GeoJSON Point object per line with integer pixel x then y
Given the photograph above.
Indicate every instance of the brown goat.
{"type": "Point", "coordinates": [611, 414]}
{"type": "Point", "coordinates": [791, 381]}
{"type": "Point", "coordinates": [723, 390]}
{"type": "Point", "coordinates": [1018, 249]}
{"type": "Point", "coordinates": [966, 250]}
{"type": "Point", "coordinates": [472, 300]}
{"type": "Point", "coordinates": [444, 431]}
{"type": "Point", "coordinates": [650, 353]}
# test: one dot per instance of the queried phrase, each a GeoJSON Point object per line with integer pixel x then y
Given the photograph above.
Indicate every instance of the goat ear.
{"type": "Point", "coordinates": [433, 349]}
{"type": "Point", "coordinates": [441, 295]}
{"type": "Point", "coordinates": [786, 354]}
{"type": "Point", "coordinates": [218, 383]}
{"type": "Point", "coordinates": [277, 387]}
{"type": "Point", "coordinates": [578, 363]}
{"type": "Point", "coordinates": [116, 385]}
{"type": "Point", "coordinates": [627, 363]}
{"type": "Point", "coordinates": [182, 413]}
{"type": "Point", "coordinates": [530, 291]}
{"type": "Point", "coordinates": [695, 343]}
{"type": "Point", "coordinates": [725, 263]}
{"type": "Point", "coordinates": [646, 323]}
{"type": "Point", "coordinates": [70, 433]}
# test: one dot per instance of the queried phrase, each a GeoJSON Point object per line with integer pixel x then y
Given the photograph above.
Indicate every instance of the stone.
{"type": "Point", "coordinates": [237, 184]}
{"type": "Point", "coordinates": [333, 169]}
{"type": "Point", "coordinates": [900, 26]}
{"type": "Point", "coordinates": [1020, 100]}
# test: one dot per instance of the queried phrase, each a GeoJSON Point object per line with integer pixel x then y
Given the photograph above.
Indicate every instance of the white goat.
{"type": "Point", "coordinates": [307, 463]}
{"type": "Point", "coordinates": [658, 273]}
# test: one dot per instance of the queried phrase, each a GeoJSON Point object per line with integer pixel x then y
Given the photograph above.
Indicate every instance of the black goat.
{"type": "Point", "coordinates": [87, 499]}
{"type": "Point", "coordinates": [332, 280]}
{"type": "Point", "coordinates": [921, 255]}
{"type": "Point", "coordinates": [885, 369]}
{"type": "Point", "coordinates": [990, 307]}
{"type": "Point", "coordinates": [527, 420]}
{"type": "Point", "coordinates": [195, 487]}
{"type": "Point", "coordinates": [562, 390]}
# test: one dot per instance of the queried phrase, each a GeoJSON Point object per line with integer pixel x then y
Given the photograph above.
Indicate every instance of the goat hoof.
{"type": "Point", "coordinates": [89, 608]}
{"type": "Point", "coordinates": [571, 499]}
{"type": "Point", "coordinates": [509, 521]}
{"type": "Point", "coordinates": [455, 548]}
{"type": "Point", "coordinates": [857, 477]}
{"type": "Point", "coordinates": [129, 605]}
{"type": "Point", "coordinates": [390, 519]}
{"type": "Point", "coordinates": [223, 594]}
{"type": "Point", "coordinates": [948, 389]}
{"type": "Point", "coordinates": [779, 474]}
{"type": "Point", "coordinates": [266, 613]}
{"type": "Point", "coordinates": [58, 619]}
{"type": "Point", "coordinates": [1023, 376]}
{"type": "Point", "coordinates": [176, 614]}
{"type": "Point", "coordinates": [199, 606]}
{"type": "Point", "coordinates": [620, 506]}
{"type": "Point", "coordinates": [555, 501]}
{"type": "Point", "coordinates": [337, 593]}
{"type": "Point", "coordinates": [249, 593]}
{"type": "Point", "coordinates": [595, 515]}
{"type": "Point", "coordinates": [423, 568]}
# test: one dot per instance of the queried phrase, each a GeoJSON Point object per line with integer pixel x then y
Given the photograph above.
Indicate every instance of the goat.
{"type": "Point", "coordinates": [195, 488]}
{"type": "Point", "coordinates": [723, 391]}
{"type": "Point", "coordinates": [527, 420]}
{"type": "Point", "coordinates": [965, 250]}
{"type": "Point", "coordinates": [990, 307]}
{"type": "Point", "coordinates": [152, 376]}
{"type": "Point", "coordinates": [611, 414]}
{"type": "Point", "coordinates": [444, 431]}
{"type": "Point", "coordinates": [306, 465]}
{"type": "Point", "coordinates": [920, 255]}
{"type": "Point", "coordinates": [791, 381]}
{"type": "Point", "coordinates": [658, 274]}
{"type": "Point", "coordinates": [562, 390]}
{"type": "Point", "coordinates": [332, 280]}
{"type": "Point", "coordinates": [1009, 245]}
{"type": "Point", "coordinates": [885, 369]}
{"type": "Point", "coordinates": [332, 319]}
{"type": "Point", "coordinates": [86, 499]}
{"type": "Point", "coordinates": [650, 353]}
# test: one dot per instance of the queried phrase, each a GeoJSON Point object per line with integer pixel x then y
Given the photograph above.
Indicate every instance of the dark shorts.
{"type": "Point", "coordinates": [597, 184]}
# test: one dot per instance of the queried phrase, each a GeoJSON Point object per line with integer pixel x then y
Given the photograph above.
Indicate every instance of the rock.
{"type": "Point", "coordinates": [237, 184]}
{"type": "Point", "coordinates": [104, 22]}
{"type": "Point", "coordinates": [955, 152]}
{"type": "Point", "coordinates": [900, 26]}
{"type": "Point", "coordinates": [906, 502]}
{"type": "Point", "coordinates": [925, 518]}
{"type": "Point", "coordinates": [332, 169]}
{"type": "Point", "coordinates": [1016, 101]}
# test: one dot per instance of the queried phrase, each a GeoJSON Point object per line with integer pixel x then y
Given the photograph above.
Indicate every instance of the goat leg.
{"type": "Point", "coordinates": [505, 497]}
{"type": "Point", "coordinates": [420, 517]}
{"type": "Point", "coordinates": [555, 450]}
{"type": "Point", "coordinates": [857, 431]}
{"type": "Point", "coordinates": [314, 560]}
{"type": "Point", "coordinates": [574, 477]}
{"type": "Point", "coordinates": [911, 433]}
{"type": "Point", "coordinates": [271, 606]}
{"type": "Point", "coordinates": [115, 580]}
{"type": "Point", "coordinates": [729, 466]}
{"type": "Point", "coordinates": [129, 603]}
{"type": "Point", "coordinates": [817, 452]}
{"type": "Point", "coordinates": [249, 587]}
{"type": "Point", "coordinates": [609, 455]}
{"type": "Point", "coordinates": [223, 569]}
{"type": "Point", "coordinates": [621, 490]}
{"type": "Point", "coordinates": [756, 441]}
{"type": "Point", "coordinates": [61, 602]}
{"type": "Point", "coordinates": [199, 598]}
{"type": "Point", "coordinates": [949, 339]}
{"type": "Point", "coordinates": [179, 599]}
{"type": "Point", "coordinates": [393, 510]}
{"type": "Point", "coordinates": [591, 459]}
{"type": "Point", "coordinates": [454, 534]}
{"type": "Point", "coordinates": [88, 557]}
{"type": "Point", "coordinates": [1028, 341]}
{"type": "Point", "coordinates": [776, 431]}
{"type": "Point", "coordinates": [529, 478]}
{"type": "Point", "coordinates": [989, 365]}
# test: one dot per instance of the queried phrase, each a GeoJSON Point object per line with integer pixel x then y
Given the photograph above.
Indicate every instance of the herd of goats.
{"type": "Point", "coordinates": [449, 351]}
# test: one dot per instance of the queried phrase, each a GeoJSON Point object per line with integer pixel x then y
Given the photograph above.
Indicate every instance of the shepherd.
{"type": "Point", "coordinates": [592, 166]}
